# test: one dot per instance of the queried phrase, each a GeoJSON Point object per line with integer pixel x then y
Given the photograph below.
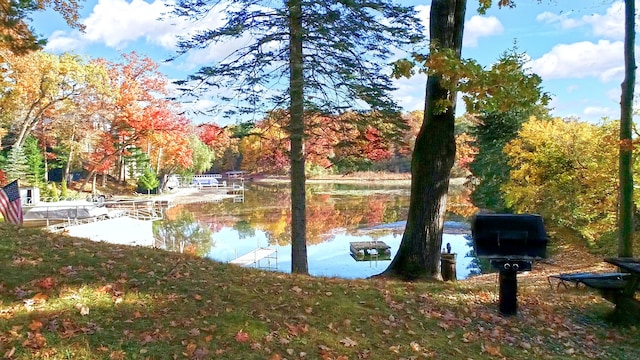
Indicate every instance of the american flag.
{"type": "Point", "coordinates": [10, 205]}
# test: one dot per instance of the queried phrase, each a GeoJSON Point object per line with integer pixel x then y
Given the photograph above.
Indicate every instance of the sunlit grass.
{"type": "Point", "coordinates": [69, 298]}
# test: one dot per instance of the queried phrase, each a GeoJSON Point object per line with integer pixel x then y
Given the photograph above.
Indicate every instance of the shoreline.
{"type": "Point", "coordinates": [196, 195]}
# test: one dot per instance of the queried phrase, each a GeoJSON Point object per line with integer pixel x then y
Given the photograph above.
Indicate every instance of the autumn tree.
{"type": "Point", "coordinates": [435, 146]}
{"type": "Point", "coordinates": [317, 55]}
{"type": "Point", "coordinates": [202, 156]}
{"type": "Point", "coordinates": [566, 172]}
{"type": "Point", "coordinates": [73, 130]}
{"type": "Point", "coordinates": [359, 144]}
{"type": "Point", "coordinates": [266, 147]}
{"type": "Point", "coordinates": [15, 33]}
{"type": "Point", "coordinates": [43, 86]}
{"type": "Point", "coordinates": [138, 115]}
{"type": "Point", "coordinates": [497, 122]}
{"type": "Point", "coordinates": [433, 155]}
{"type": "Point", "coordinates": [167, 138]}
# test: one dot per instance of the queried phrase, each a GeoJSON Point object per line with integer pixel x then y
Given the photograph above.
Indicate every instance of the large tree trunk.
{"type": "Point", "coordinates": [433, 157]}
{"type": "Point", "coordinates": [625, 213]}
{"type": "Point", "coordinates": [296, 133]}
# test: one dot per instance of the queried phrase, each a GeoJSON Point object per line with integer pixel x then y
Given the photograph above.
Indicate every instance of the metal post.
{"type": "Point", "coordinates": [508, 291]}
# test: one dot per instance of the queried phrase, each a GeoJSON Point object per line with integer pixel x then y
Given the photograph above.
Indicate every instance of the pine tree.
{"type": "Point", "coordinates": [34, 161]}
{"type": "Point", "coordinates": [16, 166]}
{"type": "Point", "coordinates": [321, 56]}
{"type": "Point", "coordinates": [148, 180]}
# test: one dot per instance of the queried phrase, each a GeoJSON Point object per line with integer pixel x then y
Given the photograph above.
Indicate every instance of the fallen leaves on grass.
{"type": "Point", "coordinates": [241, 336]}
{"type": "Point", "coordinates": [193, 307]}
{"type": "Point", "coordinates": [348, 342]}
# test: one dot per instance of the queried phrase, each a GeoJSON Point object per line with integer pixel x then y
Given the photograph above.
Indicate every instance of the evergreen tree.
{"type": "Point", "coordinates": [54, 193]}
{"type": "Point", "coordinates": [34, 162]}
{"type": "Point", "coordinates": [137, 162]}
{"type": "Point", "coordinates": [323, 56]}
{"type": "Point", "coordinates": [148, 180]}
{"type": "Point", "coordinates": [64, 192]}
{"type": "Point", "coordinates": [499, 122]}
{"type": "Point", "coordinates": [16, 166]}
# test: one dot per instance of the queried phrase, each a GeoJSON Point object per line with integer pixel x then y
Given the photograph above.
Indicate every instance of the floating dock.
{"type": "Point", "coordinates": [254, 257]}
{"type": "Point", "coordinates": [370, 250]}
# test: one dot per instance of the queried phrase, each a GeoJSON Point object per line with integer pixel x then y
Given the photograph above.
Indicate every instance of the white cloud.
{"type": "Point", "coordinates": [119, 23]}
{"type": "Point", "coordinates": [480, 26]}
{"type": "Point", "coordinates": [598, 111]}
{"type": "Point", "coordinates": [59, 42]}
{"type": "Point", "coordinates": [116, 23]}
{"type": "Point", "coordinates": [610, 25]}
{"type": "Point", "coordinates": [410, 92]}
{"type": "Point", "coordinates": [602, 60]}
{"type": "Point", "coordinates": [562, 20]}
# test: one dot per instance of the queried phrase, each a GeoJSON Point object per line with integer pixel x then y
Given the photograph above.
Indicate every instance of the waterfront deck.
{"type": "Point", "coordinates": [254, 257]}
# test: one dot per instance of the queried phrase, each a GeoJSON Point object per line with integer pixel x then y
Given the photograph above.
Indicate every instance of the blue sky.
{"type": "Point", "coordinates": [575, 46]}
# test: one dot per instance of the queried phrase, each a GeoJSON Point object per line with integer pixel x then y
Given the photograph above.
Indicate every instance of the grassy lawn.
{"type": "Point", "coordinates": [70, 298]}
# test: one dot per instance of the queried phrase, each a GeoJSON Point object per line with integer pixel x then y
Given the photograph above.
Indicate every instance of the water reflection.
{"type": "Point", "coordinates": [183, 234]}
{"type": "Point", "coordinates": [337, 214]}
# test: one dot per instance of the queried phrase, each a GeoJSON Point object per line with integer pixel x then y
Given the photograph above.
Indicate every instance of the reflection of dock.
{"type": "Point", "coordinates": [254, 258]}
{"type": "Point", "coordinates": [370, 250]}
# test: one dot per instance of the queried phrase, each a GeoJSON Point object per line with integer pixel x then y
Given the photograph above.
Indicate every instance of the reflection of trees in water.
{"type": "Point", "coordinates": [183, 234]}
{"type": "Point", "coordinates": [329, 207]}
{"type": "Point", "coordinates": [244, 229]}
{"type": "Point", "coordinates": [477, 265]}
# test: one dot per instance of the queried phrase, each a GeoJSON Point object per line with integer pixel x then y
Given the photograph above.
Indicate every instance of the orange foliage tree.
{"type": "Point", "coordinates": [139, 117]}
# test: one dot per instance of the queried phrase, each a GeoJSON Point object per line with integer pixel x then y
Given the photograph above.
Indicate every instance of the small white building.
{"type": "Point", "coordinates": [29, 196]}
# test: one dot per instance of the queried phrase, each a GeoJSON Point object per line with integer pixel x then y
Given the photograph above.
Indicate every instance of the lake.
{"type": "Point", "coordinates": [337, 214]}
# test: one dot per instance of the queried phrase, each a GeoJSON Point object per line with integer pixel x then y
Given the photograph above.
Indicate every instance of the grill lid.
{"type": "Point", "coordinates": [509, 236]}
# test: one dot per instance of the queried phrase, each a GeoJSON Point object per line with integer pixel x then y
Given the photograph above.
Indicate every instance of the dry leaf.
{"type": "Point", "coordinates": [348, 342]}
{"type": "Point", "coordinates": [241, 336]}
{"type": "Point", "coordinates": [492, 350]}
{"type": "Point", "coordinates": [9, 353]}
{"type": "Point", "coordinates": [39, 298]}
{"type": "Point", "coordinates": [191, 348]}
{"type": "Point", "coordinates": [117, 355]}
{"type": "Point", "coordinates": [47, 283]}
{"type": "Point", "coordinates": [84, 310]}
{"type": "Point", "coordinates": [35, 325]}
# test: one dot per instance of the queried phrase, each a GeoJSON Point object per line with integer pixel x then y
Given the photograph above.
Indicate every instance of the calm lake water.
{"type": "Point", "coordinates": [337, 214]}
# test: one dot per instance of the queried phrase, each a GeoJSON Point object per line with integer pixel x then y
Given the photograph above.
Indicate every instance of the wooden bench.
{"type": "Point", "coordinates": [620, 288]}
{"type": "Point", "coordinates": [613, 279]}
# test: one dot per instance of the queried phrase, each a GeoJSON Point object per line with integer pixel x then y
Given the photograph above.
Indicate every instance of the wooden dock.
{"type": "Point", "coordinates": [370, 250]}
{"type": "Point", "coordinates": [254, 257]}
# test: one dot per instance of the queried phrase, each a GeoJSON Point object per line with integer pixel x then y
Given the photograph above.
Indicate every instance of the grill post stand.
{"type": "Point", "coordinates": [508, 291]}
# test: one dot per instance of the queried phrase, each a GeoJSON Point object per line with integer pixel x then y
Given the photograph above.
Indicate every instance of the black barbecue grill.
{"type": "Point", "coordinates": [511, 242]}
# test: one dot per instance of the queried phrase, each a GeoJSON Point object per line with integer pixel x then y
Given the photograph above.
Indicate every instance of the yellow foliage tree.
{"type": "Point", "coordinates": [39, 86]}
{"type": "Point", "coordinates": [566, 171]}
